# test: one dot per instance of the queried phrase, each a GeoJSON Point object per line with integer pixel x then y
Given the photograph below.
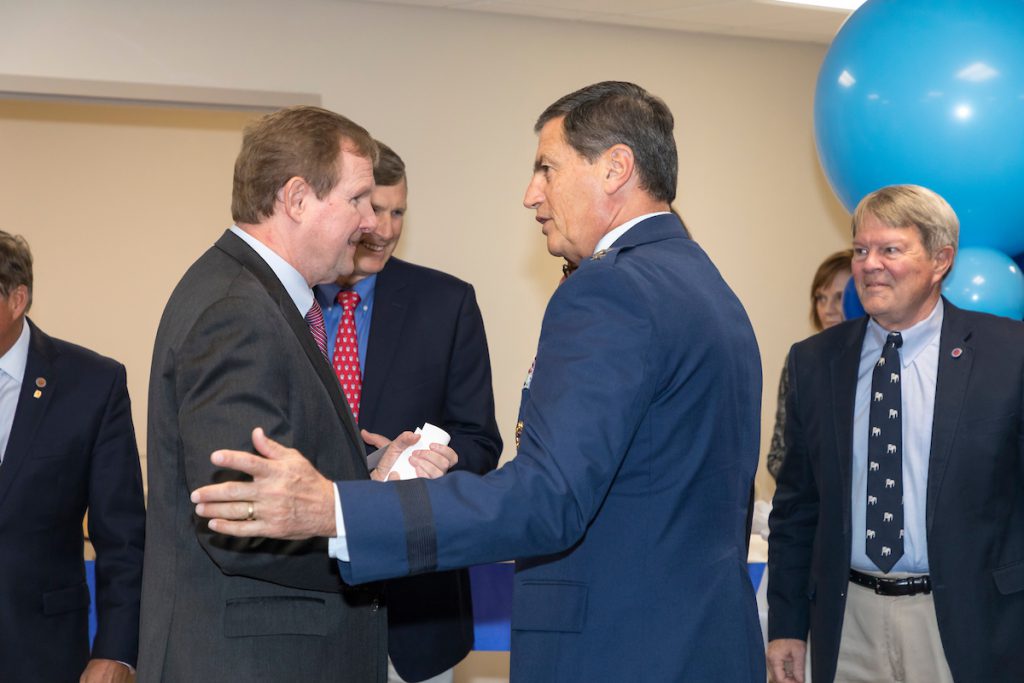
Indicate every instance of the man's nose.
{"type": "Point", "coordinates": [369, 219]}
{"type": "Point", "coordinates": [534, 196]}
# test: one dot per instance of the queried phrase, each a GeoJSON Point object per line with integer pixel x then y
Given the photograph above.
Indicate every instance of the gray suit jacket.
{"type": "Point", "coordinates": [232, 353]}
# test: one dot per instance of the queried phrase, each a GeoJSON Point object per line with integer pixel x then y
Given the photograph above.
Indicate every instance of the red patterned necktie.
{"type": "Point", "coordinates": [315, 320]}
{"type": "Point", "coordinates": [346, 351]}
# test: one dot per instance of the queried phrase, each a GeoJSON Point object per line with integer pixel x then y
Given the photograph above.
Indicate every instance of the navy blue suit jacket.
{"type": "Point", "coordinates": [427, 361]}
{"type": "Point", "coordinates": [975, 496]}
{"type": "Point", "coordinates": [71, 448]}
{"type": "Point", "coordinates": [626, 504]}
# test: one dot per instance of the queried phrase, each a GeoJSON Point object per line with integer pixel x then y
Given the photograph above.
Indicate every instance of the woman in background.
{"type": "Point", "coordinates": [826, 310]}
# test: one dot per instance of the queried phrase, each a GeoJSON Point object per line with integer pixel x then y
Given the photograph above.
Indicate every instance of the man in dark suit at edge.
{"type": "Point", "coordinates": [627, 501]}
{"type": "Point", "coordinates": [422, 355]}
{"type": "Point", "coordinates": [897, 534]}
{"type": "Point", "coordinates": [67, 445]}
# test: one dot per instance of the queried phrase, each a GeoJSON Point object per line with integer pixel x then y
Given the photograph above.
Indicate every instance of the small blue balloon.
{"type": "Point", "coordinates": [851, 302]}
{"type": "Point", "coordinates": [1019, 260]}
{"type": "Point", "coordinates": [930, 92]}
{"type": "Point", "coordinates": [988, 281]}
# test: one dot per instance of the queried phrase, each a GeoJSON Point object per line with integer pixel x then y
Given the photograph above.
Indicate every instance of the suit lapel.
{"type": "Point", "coordinates": [30, 410]}
{"type": "Point", "coordinates": [390, 306]}
{"type": "Point", "coordinates": [843, 375]}
{"type": "Point", "coordinates": [240, 251]}
{"type": "Point", "coordinates": [951, 380]}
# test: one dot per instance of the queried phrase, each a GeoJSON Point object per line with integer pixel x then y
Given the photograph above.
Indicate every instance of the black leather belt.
{"type": "Point", "coordinates": [912, 585]}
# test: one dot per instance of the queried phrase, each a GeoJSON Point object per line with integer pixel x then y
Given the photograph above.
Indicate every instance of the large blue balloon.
{"type": "Point", "coordinates": [988, 281]}
{"type": "Point", "coordinates": [852, 308]}
{"type": "Point", "coordinates": [930, 92]}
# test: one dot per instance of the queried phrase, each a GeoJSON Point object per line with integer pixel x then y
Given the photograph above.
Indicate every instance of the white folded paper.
{"type": "Point", "coordinates": [428, 434]}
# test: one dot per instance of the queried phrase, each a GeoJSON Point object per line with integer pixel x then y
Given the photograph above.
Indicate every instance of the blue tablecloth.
{"type": "Point", "coordinates": [492, 602]}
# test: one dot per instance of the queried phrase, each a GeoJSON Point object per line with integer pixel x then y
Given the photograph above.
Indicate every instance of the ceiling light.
{"type": "Point", "coordinates": [847, 5]}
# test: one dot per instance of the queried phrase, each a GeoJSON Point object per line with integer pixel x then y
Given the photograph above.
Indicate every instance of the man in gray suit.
{"type": "Point", "coordinates": [241, 344]}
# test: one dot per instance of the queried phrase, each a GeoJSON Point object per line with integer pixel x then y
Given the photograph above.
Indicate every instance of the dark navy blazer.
{"type": "Point", "coordinates": [626, 504]}
{"type": "Point", "coordinates": [975, 496]}
{"type": "Point", "coordinates": [72, 448]}
{"type": "Point", "coordinates": [427, 361]}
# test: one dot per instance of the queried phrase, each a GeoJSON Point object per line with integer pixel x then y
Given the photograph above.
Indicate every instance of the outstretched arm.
{"type": "Point", "coordinates": [287, 497]}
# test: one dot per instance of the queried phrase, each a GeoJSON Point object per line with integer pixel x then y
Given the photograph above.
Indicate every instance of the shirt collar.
{"type": "Point", "coordinates": [915, 338]}
{"type": "Point", "coordinates": [296, 285]}
{"type": "Point", "coordinates": [614, 234]}
{"type": "Point", "coordinates": [328, 294]}
{"type": "Point", "coordinates": [14, 361]}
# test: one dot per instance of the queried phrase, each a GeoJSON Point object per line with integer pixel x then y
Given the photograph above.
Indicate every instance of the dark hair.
{"type": "Point", "coordinates": [389, 169]}
{"type": "Point", "coordinates": [829, 268]}
{"type": "Point", "coordinates": [298, 141]}
{"type": "Point", "coordinates": [15, 265]}
{"type": "Point", "coordinates": [615, 112]}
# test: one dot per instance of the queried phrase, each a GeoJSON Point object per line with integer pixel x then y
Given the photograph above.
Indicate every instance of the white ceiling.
{"type": "Point", "coordinates": [756, 18]}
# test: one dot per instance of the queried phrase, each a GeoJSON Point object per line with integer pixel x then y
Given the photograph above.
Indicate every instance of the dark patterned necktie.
{"type": "Point", "coordinates": [315, 320]}
{"type": "Point", "coordinates": [884, 542]}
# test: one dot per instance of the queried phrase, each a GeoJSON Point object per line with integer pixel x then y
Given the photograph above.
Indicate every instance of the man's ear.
{"type": "Point", "coordinates": [619, 167]}
{"type": "Point", "coordinates": [294, 196]}
{"type": "Point", "coordinates": [17, 301]}
{"type": "Point", "coordinates": [943, 261]}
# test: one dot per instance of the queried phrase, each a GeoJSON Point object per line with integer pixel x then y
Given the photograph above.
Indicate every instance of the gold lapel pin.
{"type": "Point", "coordinates": [40, 382]}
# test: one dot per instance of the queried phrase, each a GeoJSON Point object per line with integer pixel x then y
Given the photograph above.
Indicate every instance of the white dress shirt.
{"type": "Point", "coordinates": [12, 374]}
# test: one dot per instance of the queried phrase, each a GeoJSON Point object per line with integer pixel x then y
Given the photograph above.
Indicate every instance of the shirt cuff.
{"type": "Point", "coordinates": [337, 547]}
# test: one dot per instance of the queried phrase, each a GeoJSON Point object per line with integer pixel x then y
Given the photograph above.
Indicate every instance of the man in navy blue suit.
{"type": "Point", "coordinates": [917, 575]}
{"type": "Point", "coordinates": [626, 504]}
{"type": "Point", "coordinates": [67, 445]}
{"type": "Point", "coordinates": [423, 358]}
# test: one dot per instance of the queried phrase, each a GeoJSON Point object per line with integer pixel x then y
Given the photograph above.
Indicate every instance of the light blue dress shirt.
{"type": "Point", "coordinates": [292, 280]}
{"type": "Point", "coordinates": [919, 360]}
{"type": "Point", "coordinates": [12, 374]}
{"type": "Point", "coordinates": [327, 295]}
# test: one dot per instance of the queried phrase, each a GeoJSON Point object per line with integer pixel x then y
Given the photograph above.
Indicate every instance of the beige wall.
{"type": "Point", "coordinates": [455, 93]}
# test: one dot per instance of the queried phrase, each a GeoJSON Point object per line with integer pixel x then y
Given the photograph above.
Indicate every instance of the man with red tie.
{"type": "Point", "coordinates": [408, 346]}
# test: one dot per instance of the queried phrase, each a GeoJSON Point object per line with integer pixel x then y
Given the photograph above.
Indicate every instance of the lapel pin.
{"type": "Point", "coordinates": [40, 382]}
{"type": "Point", "coordinates": [957, 352]}
{"type": "Point", "coordinates": [37, 394]}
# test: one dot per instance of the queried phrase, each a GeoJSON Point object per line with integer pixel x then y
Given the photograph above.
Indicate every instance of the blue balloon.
{"type": "Point", "coordinates": [988, 281]}
{"type": "Point", "coordinates": [1019, 260]}
{"type": "Point", "coordinates": [930, 92]}
{"type": "Point", "coordinates": [852, 307]}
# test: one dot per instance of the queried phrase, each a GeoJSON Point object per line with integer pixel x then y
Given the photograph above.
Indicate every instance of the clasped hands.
{"type": "Point", "coordinates": [287, 497]}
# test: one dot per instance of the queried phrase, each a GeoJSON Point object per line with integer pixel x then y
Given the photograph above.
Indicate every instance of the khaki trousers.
{"type": "Point", "coordinates": [890, 638]}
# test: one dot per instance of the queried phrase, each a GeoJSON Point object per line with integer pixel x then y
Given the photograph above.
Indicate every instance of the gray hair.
{"type": "Point", "coordinates": [901, 206]}
{"type": "Point", "coordinates": [616, 112]}
{"type": "Point", "coordinates": [15, 265]}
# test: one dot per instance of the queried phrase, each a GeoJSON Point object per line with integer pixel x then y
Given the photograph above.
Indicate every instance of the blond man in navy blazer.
{"type": "Point", "coordinates": [952, 607]}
